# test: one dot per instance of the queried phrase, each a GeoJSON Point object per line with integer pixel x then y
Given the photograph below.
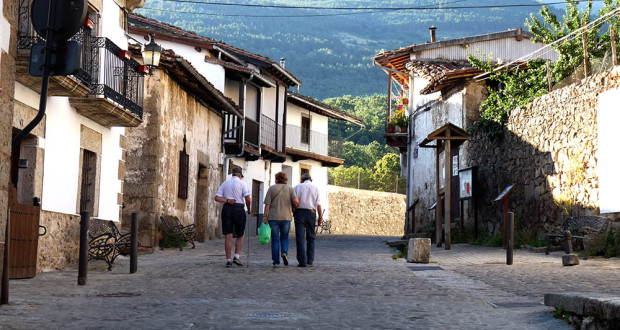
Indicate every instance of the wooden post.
{"type": "Point", "coordinates": [447, 190]}
{"type": "Point", "coordinates": [511, 237]}
{"type": "Point", "coordinates": [359, 176]}
{"type": "Point", "coordinates": [389, 100]}
{"type": "Point", "coordinates": [614, 55]}
{"type": "Point", "coordinates": [584, 35]}
{"type": "Point", "coordinates": [549, 75]}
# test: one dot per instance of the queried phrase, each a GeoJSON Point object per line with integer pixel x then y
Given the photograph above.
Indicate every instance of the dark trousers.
{"type": "Point", "coordinates": [304, 235]}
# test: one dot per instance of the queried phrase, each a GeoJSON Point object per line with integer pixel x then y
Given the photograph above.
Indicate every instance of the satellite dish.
{"type": "Point", "coordinates": [67, 18]}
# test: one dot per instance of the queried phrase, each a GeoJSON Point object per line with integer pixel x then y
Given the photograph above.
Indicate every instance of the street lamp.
{"type": "Point", "coordinates": [151, 54]}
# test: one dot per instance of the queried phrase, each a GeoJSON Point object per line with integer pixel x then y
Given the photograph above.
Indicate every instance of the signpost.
{"type": "Point", "coordinates": [503, 196]}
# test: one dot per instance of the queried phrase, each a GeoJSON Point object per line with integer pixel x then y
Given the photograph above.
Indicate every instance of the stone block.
{"type": "Point", "coordinates": [419, 250]}
{"type": "Point", "coordinates": [570, 259]}
{"type": "Point", "coordinates": [572, 302]}
{"type": "Point", "coordinates": [606, 308]}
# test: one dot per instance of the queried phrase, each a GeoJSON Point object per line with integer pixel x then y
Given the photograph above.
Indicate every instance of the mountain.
{"type": "Point", "coordinates": [332, 53]}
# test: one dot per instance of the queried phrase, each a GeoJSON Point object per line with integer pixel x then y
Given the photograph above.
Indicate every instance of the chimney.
{"type": "Point", "coordinates": [432, 29]}
{"type": "Point", "coordinates": [283, 62]}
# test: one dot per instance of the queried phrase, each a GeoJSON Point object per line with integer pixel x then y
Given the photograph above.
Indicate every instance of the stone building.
{"type": "Point", "coordinates": [73, 161]}
{"type": "Point", "coordinates": [173, 164]}
{"type": "Point", "coordinates": [8, 23]}
{"type": "Point", "coordinates": [433, 83]}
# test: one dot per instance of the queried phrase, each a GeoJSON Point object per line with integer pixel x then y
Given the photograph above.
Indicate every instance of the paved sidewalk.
{"type": "Point", "coordinates": [354, 284]}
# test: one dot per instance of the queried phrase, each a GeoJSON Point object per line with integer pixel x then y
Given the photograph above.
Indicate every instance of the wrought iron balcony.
{"type": "Point", "coordinates": [77, 85]}
{"type": "Point", "coordinates": [117, 89]}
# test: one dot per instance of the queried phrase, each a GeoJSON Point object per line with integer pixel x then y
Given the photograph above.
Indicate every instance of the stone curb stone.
{"type": "Point", "coordinates": [419, 250]}
{"type": "Point", "coordinates": [599, 305]}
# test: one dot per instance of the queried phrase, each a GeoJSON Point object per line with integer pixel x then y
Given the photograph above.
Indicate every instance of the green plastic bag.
{"type": "Point", "coordinates": [264, 234]}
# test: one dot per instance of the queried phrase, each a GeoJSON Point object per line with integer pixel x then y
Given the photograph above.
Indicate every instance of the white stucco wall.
{"type": "Point", "coordinates": [62, 161]}
{"type": "Point", "coordinates": [269, 103]}
{"type": "Point", "coordinates": [110, 24]}
{"type": "Point", "coordinates": [424, 181]}
{"type": "Point", "coordinates": [608, 156]}
{"type": "Point", "coordinates": [5, 34]}
{"type": "Point", "coordinates": [318, 123]}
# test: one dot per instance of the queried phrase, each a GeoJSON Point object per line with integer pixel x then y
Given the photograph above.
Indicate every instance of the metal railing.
{"type": "Point", "coordinates": [118, 78]}
{"type": "Point", "coordinates": [251, 132]}
{"type": "Point", "coordinates": [269, 136]}
{"type": "Point", "coordinates": [26, 37]}
{"type": "Point", "coordinates": [318, 143]}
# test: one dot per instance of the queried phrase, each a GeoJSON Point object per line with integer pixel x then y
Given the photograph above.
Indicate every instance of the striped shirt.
{"type": "Point", "coordinates": [234, 188]}
{"type": "Point", "coordinates": [308, 195]}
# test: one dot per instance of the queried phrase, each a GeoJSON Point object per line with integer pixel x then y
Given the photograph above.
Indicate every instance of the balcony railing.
{"type": "Point", "coordinates": [268, 134]}
{"type": "Point", "coordinates": [318, 143]}
{"type": "Point", "coordinates": [26, 37]}
{"type": "Point", "coordinates": [118, 78]}
{"type": "Point", "coordinates": [251, 132]}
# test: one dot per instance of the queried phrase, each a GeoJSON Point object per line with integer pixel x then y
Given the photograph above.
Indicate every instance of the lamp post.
{"type": "Point", "coordinates": [151, 54]}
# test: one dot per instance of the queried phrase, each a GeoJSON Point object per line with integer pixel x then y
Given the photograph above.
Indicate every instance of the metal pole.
{"type": "Point", "coordinates": [83, 263]}
{"type": "Point", "coordinates": [511, 235]}
{"type": "Point", "coordinates": [133, 261]}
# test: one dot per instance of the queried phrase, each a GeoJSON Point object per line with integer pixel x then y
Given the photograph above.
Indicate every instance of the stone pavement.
{"type": "Point", "coordinates": [354, 284]}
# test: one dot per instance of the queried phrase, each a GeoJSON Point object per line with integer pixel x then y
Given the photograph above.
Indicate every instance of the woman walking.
{"type": "Point", "coordinates": [280, 203]}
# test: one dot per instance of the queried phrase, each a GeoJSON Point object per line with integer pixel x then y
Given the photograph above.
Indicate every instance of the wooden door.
{"type": "Point", "coordinates": [24, 237]}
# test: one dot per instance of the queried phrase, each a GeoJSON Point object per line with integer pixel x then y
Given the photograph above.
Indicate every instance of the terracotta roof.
{"type": "Point", "coordinates": [396, 60]}
{"type": "Point", "coordinates": [186, 75]}
{"type": "Point", "coordinates": [142, 25]}
{"type": "Point", "coordinates": [322, 108]}
{"type": "Point", "coordinates": [441, 74]}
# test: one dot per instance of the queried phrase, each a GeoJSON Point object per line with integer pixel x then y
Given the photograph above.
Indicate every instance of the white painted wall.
{"type": "Point", "coordinates": [110, 24]}
{"type": "Point", "coordinates": [5, 34]}
{"type": "Point", "coordinates": [318, 123]}
{"type": "Point", "coordinates": [231, 90]}
{"type": "Point", "coordinates": [251, 102]}
{"type": "Point", "coordinates": [269, 103]}
{"type": "Point", "coordinates": [214, 73]}
{"type": "Point", "coordinates": [608, 156]}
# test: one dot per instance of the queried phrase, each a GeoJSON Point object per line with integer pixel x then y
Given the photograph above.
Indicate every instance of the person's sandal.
{"type": "Point", "coordinates": [228, 264]}
{"type": "Point", "coordinates": [285, 259]}
{"type": "Point", "coordinates": [237, 262]}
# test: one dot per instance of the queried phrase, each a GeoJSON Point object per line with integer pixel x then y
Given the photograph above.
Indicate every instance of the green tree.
{"type": "Point", "coordinates": [386, 174]}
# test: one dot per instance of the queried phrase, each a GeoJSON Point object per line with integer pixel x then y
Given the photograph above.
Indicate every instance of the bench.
{"type": "Point", "coordinates": [581, 228]}
{"type": "Point", "coordinates": [176, 233]}
{"type": "Point", "coordinates": [106, 242]}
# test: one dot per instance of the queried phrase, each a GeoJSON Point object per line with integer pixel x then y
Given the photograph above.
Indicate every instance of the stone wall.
{"type": "Point", "coordinates": [549, 153]}
{"type": "Point", "coordinates": [152, 163]}
{"type": "Point", "coordinates": [60, 247]}
{"type": "Point", "coordinates": [365, 212]}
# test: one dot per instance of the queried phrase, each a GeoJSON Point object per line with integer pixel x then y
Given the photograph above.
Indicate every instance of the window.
{"type": "Point", "coordinates": [88, 185]}
{"type": "Point", "coordinates": [304, 169]}
{"type": "Point", "coordinates": [305, 130]}
{"type": "Point", "coordinates": [183, 174]}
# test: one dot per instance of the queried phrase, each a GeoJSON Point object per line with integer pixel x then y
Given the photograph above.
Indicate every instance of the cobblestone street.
{"type": "Point", "coordinates": [354, 283]}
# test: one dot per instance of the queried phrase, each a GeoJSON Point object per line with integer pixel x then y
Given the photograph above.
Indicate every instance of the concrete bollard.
{"type": "Point", "coordinates": [419, 250]}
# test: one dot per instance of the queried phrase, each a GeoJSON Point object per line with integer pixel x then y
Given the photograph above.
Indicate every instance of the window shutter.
{"type": "Point", "coordinates": [183, 174]}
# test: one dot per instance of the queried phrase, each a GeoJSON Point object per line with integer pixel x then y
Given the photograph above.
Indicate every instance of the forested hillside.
{"type": "Point", "coordinates": [331, 51]}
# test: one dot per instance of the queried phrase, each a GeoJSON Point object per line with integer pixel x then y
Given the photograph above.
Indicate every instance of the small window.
{"type": "Point", "coordinates": [305, 130]}
{"type": "Point", "coordinates": [183, 174]}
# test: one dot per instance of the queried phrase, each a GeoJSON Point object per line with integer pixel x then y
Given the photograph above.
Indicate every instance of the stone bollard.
{"type": "Point", "coordinates": [571, 259]}
{"type": "Point", "coordinates": [419, 250]}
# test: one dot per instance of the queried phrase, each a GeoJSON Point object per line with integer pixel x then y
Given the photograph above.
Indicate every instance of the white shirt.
{"type": "Point", "coordinates": [234, 188]}
{"type": "Point", "coordinates": [308, 195]}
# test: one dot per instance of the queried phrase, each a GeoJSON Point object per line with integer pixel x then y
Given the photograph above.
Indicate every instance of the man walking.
{"type": "Point", "coordinates": [305, 217]}
{"type": "Point", "coordinates": [233, 192]}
